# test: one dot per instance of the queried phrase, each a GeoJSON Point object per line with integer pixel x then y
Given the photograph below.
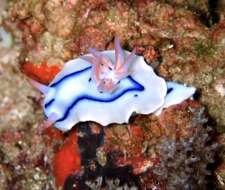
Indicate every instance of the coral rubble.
{"type": "Point", "coordinates": [183, 40]}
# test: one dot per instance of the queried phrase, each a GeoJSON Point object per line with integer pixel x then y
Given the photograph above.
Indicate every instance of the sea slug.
{"type": "Point", "coordinates": [107, 87]}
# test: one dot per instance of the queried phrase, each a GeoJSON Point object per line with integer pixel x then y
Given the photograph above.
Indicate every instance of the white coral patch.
{"type": "Point", "coordinates": [220, 87]}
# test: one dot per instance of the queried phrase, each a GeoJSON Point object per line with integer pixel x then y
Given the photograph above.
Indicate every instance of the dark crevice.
{"type": "Point", "coordinates": [213, 6]}
{"type": "Point", "coordinates": [92, 171]}
{"type": "Point", "coordinates": [211, 17]}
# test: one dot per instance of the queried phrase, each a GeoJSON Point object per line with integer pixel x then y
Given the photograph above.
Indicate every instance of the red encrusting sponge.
{"type": "Point", "coordinates": [67, 160]}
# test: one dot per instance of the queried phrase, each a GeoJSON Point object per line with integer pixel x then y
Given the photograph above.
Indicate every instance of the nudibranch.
{"type": "Point", "coordinates": [107, 87]}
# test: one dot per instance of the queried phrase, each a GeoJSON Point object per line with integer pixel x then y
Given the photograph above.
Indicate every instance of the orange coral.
{"type": "Point", "coordinates": [42, 73]}
{"type": "Point", "coordinates": [67, 160]}
{"type": "Point", "coordinates": [53, 133]}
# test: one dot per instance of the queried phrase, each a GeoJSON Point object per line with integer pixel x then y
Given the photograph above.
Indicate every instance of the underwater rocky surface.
{"type": "Point", "coordinates": [183, 40]}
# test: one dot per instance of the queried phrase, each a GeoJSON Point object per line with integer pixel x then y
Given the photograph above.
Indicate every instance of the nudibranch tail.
{"type": "Point", "coordinates": [41, 87]}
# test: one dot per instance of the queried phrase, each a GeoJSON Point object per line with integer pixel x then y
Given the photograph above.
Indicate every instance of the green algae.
{"type": "Point", "coordinates": [203, 49]}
